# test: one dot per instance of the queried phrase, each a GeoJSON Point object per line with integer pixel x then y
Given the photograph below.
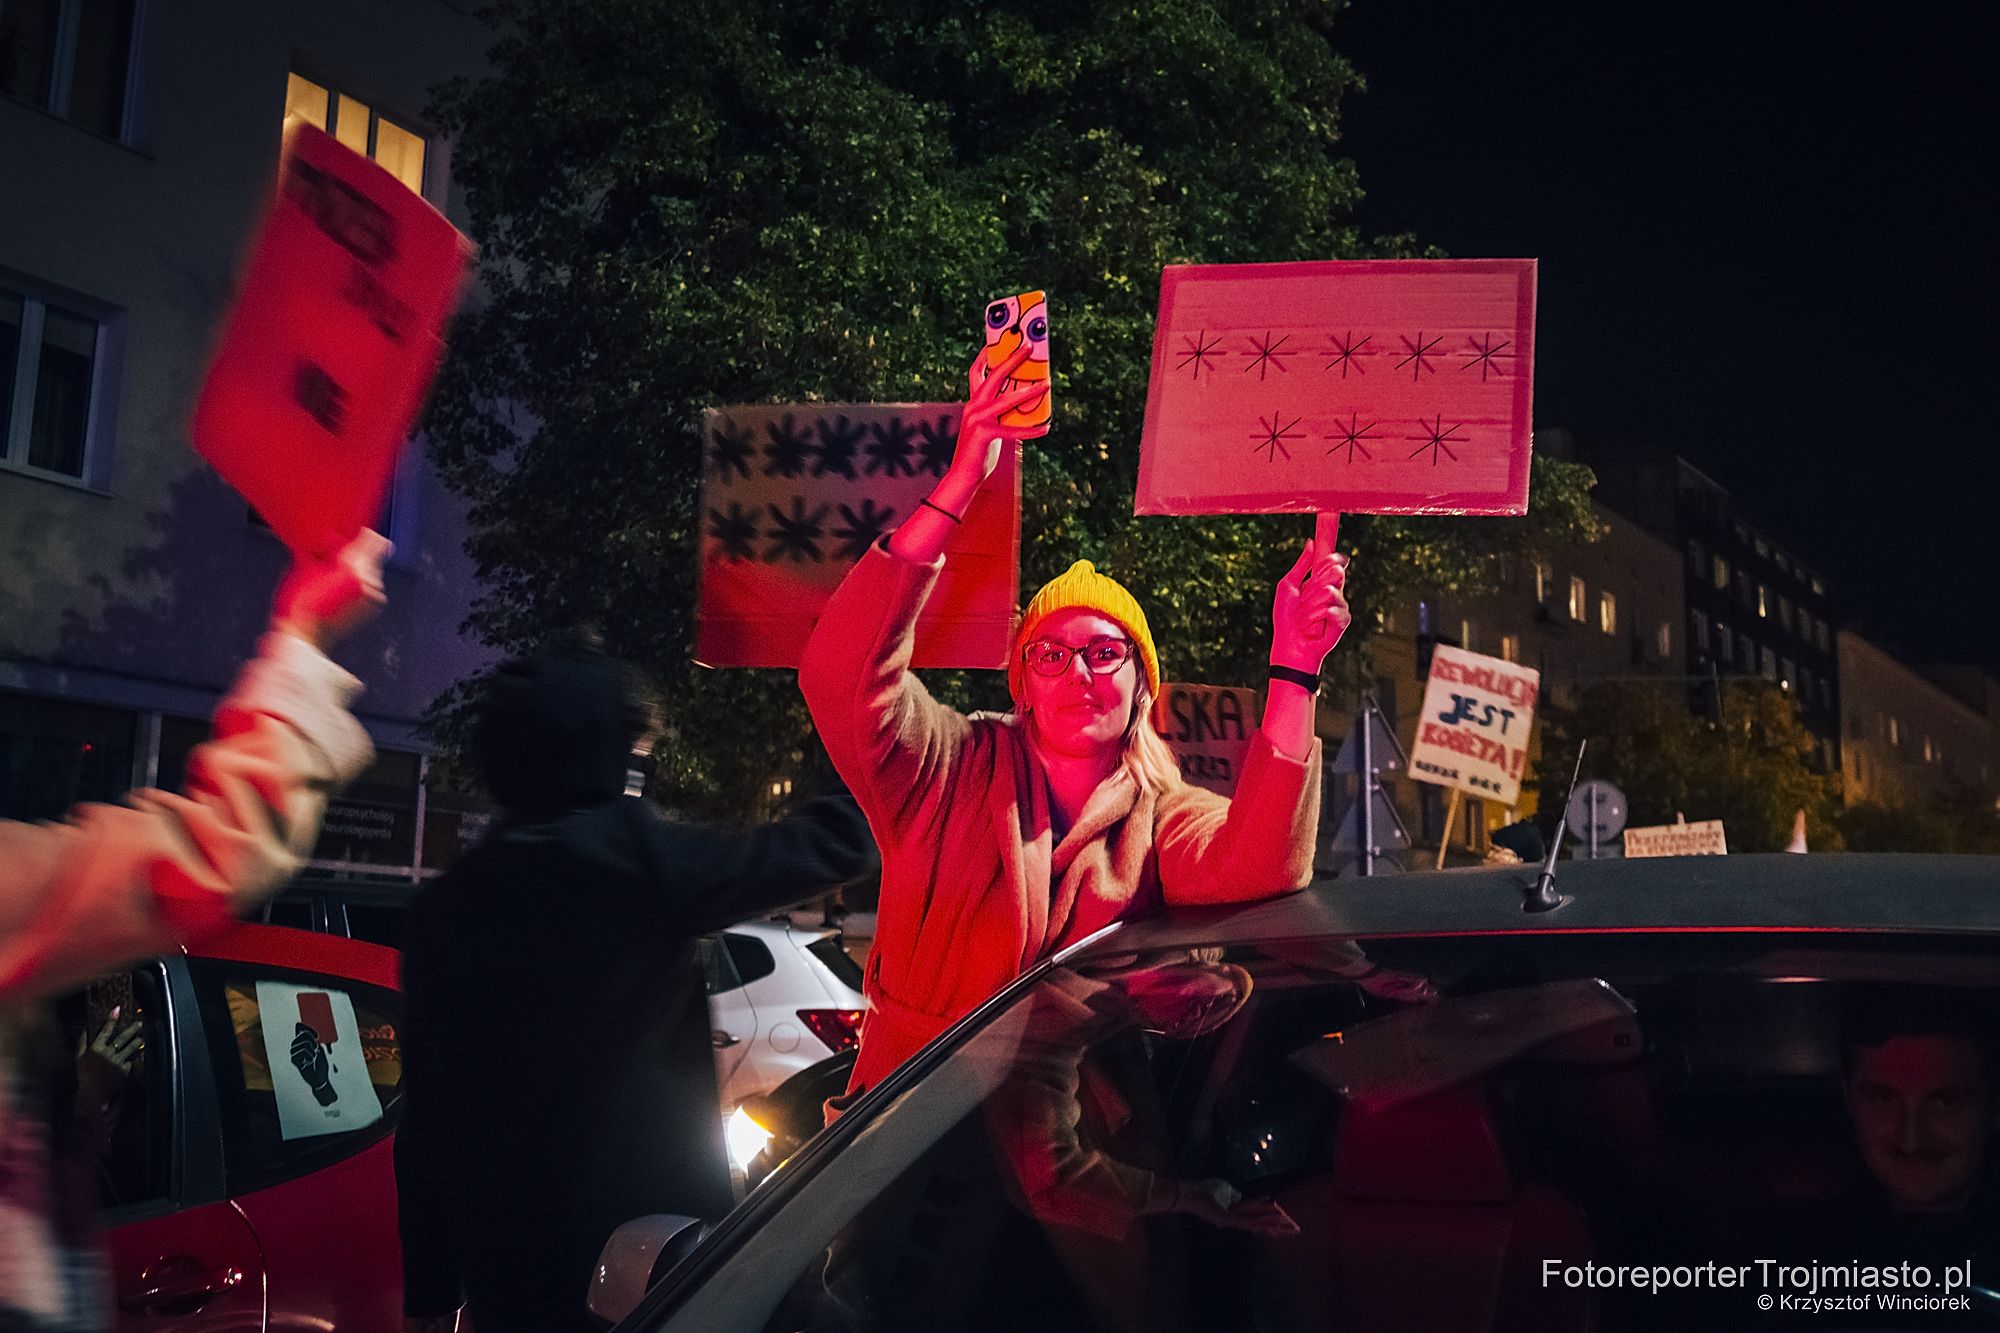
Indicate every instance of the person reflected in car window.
{"type": "Point", "coordinates": [1008, 837]}
{"type": "Point", "coordinates": [1922, 1092]}
{"type": "Point", "coordinates": [558, 1075]}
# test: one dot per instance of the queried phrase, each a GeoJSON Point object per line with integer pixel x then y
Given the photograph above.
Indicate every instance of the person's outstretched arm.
{"type": "Point", "coordinates": [114, 883]}
{"type": "Point", "coordinates": [740, 873]}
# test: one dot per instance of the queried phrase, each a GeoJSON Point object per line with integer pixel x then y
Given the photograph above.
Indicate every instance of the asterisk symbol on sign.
{"type": "Point", "coordinates": [1437, 437]}
{"type": "Point", "coordinates": [1345, 352]}
{"type": "Point", "coordinates": [788, 450]}
{"type": "Point", "coordinates": [1350, 437]}
{"type": "Point", "coordinates": [797, 534]}
{"type": "Point", "coordinates": [730, 448]}
{"type": "Point", "coordinates": [889, 452]}
{"type": "Point", "coordinates": [862, 530]}
{"type": "Point", "coordinates": [733, 532]}
{"type": "Point", "coordinates": [1420, 354]}
{"type": "Point", "coordinates": [1482, 356]}
{"type": "Point", "coordinates": [838, 439]}
{"type": "Point", "coordinates": [940, 439]}
{"type": "Point", "coordinates": [1266, 354]}
{"type": "Point", "coordinates": [1270, 437]}
{"type": "Point", "coordinates": [1199, 348]}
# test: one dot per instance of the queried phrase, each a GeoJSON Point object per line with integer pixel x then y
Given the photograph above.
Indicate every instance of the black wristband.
{"type": "Point", "coordinates": [1305, 680]}
{"type": "Point", "coordinates": [941, 509]}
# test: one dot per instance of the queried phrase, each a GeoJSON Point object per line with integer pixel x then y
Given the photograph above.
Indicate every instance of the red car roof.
{"type": "Point", "coordinates": [306, 950]}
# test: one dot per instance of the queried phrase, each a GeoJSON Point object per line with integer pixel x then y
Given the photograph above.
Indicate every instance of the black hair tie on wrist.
{"type": "Point", "coordinates": [1305, 680]}
{"type": "Point", "coordinates": [941, 509]}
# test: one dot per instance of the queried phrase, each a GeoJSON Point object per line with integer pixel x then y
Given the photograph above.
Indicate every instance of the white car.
{"type": "Point", "coordinates": [780, 999]}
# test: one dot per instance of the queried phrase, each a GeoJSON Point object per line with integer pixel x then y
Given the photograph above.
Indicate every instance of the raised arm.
{"type": "Point", "coordinates": [113, 883]}
{"type": "Point", "coordinates": [820, 847]}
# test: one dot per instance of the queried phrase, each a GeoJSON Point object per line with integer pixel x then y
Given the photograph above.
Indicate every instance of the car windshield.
{"type": "Point", "coordinates": [1538, 1131]}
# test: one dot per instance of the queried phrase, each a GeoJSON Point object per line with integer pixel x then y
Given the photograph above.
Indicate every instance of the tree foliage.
{"type": "Point", "coordinates": [687, 203]}
{"type": "Point", "coordinates": [1752, 770]}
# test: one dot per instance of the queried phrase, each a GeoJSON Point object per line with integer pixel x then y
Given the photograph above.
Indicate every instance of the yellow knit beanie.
{"type": "Point", "coordinates": [1082, 587]}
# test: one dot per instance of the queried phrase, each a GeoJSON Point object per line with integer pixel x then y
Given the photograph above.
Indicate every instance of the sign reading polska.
{"type": "Point", "coordinates": [1473, 734]}
{"type": "Point", "coordinates": [1208, 728]}
{"type": "Point", "coordinates": [1699, 839]}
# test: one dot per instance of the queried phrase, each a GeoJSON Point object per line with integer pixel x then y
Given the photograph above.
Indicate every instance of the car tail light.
{"type": "Point", "coordinates": [840, 1029]}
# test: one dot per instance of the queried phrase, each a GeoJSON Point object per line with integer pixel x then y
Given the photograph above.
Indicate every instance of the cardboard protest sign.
{"type": "Point", "coordinates": [793, 495]}
{"type": "Point", "coordinates": [1208, 728]}
{"type": "Point", "coordinates": [312, 1046]}
{"type": "Point", "coordinates": [1699, 839]}
{"type": "Point", "coordinates": [331, 345]}
{"type": "Point", "coordinates": [1395, 386]}
{"type": "Point", "coordinates": [1473, 732]}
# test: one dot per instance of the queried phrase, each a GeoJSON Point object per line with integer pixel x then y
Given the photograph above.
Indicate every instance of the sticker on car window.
{"type": "Point", "coordinates": [312, 1047]}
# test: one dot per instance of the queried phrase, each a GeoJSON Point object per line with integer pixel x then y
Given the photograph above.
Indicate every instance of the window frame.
{"type": "Point", "coordinates": [1579, 599]}
{"type": "Point", "coordinates": [430, 177]}
{"type": "Point", "coordinates": [62, 75]}
{"type": "Point", "coordinates": [101, 414]}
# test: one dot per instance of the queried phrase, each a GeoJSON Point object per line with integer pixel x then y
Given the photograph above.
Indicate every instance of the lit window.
{"type": "Point", "coordinates": [1465, 630]}
{"type": "Point", "coordinates": [1663, 640]}
{"type": "Point", "coordinates": [49, 361]}
{"type": "Point", "coordinates": [1607, 613]}
{"type": "Point", "coordinates": [1719, 570]}
{"type": "Point", "coordinates": [1545, 582]}
{"type": "Point", "coordinates": [70, 57]}
{"type": "Point", "coordinates": [1579, 599]}
{"type": "Point", "coordinates": [398, 151]}
{"type": "Point", "coordinates": [1763, 601]}
{"type": "Point", "coordinates": [1510, 647]}
{"type": "Point", "coordinates": [1819, 589]}
{"type": "Point", "coordinates": [1895, 733]}
{"type": "Point", "coordinates": [1929, 754]}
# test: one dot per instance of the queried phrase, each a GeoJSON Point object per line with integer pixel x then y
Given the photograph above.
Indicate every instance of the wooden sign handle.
{"type": "Point", "coordinates": [1326, 532]}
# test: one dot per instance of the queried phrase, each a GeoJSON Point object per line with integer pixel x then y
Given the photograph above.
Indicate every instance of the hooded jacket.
{"type": "Point", "coordinates": [557, 1070]}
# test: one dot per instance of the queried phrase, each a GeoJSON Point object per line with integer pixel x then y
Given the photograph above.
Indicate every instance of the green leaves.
{"type": "Point", "coordinates": [683, 203]}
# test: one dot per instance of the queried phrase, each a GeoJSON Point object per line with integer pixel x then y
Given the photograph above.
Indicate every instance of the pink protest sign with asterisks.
{"type": "Point", "coordinates": [1384, 386]}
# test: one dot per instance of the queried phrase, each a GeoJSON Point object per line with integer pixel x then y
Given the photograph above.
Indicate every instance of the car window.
{"type": "Point", "coordinates": [378, 923]}
{"type": "Point", "coordinates": [718, 966]}
{"type": "Point", "coordinates": [308, 1068]}
{"type": "Point", "coordinates": [1316, 1134]}
{"type": "Point", "coordinates": [751, 956]}
{"type": "Point", "coordinates": [114, 1121]}
{"type": "Point", "coordinates": [294, 912]}
{"type": "Point", "coordinates": [838, 961]}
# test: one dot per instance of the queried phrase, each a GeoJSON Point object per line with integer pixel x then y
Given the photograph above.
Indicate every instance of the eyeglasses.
{"type": "Point", "coordinates": [1103, 655]}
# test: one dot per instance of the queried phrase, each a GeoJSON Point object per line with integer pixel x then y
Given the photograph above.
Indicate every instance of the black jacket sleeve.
{"type": "Point", "coordinates": [733, 875]}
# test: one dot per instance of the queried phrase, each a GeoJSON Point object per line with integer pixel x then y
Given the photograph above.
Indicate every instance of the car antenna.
{"type": "Point", "coordinates": [1543, 896]}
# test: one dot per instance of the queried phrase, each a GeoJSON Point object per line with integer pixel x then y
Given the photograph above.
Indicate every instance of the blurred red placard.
{"type": "Point", "coordinates": [1391, 386]}
{"type": "Point", "coordinates": [793, 495]}
{"type": "Point", "coordinates": [331, 345]}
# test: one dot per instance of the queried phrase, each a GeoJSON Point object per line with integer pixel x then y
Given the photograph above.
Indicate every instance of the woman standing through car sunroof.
{"type": "Point", "coordinates": [1007, 837]}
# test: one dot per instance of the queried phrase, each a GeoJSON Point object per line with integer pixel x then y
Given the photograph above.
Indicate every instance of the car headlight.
{"type": "Point", "coordinates": [746, 1138]}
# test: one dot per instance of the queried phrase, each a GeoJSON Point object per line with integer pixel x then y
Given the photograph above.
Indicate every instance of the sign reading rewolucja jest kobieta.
{"type": "Point", "coordinates": [1473, 733]}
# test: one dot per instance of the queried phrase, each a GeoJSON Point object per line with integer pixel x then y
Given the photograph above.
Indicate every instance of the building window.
{"type": "Point", "coordinates": [1820, 635]}
{"type": "Point", "coordinates": [1825, 693]}
{"type": "Point", "coordinates": [1579, 599]}
{"type": "Point", "coordinates": [1748, 649]}
{"type": "Point", "coordinates": [1930, 755]}
{"type": "Point", "coordinates": [1895, 733]}
{"type": "Point", "coordinates": [1785, 613]}
{"type": "Point", "coordinates": [400, 151]}
{"type": "Point", "coordinates": [1698, 628]}
{"type": "Point", "coordinates": [1697, 559]}
{"type": "Point", "coordinates": [1819, 589]}
{"type": "Point", "coordinates": [1510, 647]}
{"type": "Point", "coordinates": [1509, 573]}
{"type": "Point", "coordinates": [1787, 673]}
{"type": "Point", "coordinates": [1763, 548]}
{"type": "Point", "coordinates": [1725, 643]}
{"type": "Point", "coordinates": [1607, 612]}
{"type": "Point", "coordinates": [1663, 640]}
{"type": "Point", "coordinates": [1465, 636]}
{"type": "Point", "coordinates": [70, 57]}
{"type": "Point", "coordinates": [1545, 582]}
{"type": "Point", "coordinates": [1719, 571]}
{"type": "Point", "coordinates": [49, 358]}
{"type": "Point", "coordinates": [1763, 602]}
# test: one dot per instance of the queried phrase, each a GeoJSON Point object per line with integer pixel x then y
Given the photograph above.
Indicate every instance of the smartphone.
{"type": "Point", "coordinates": [316, 1012]}
{"type": "Point", "coordinates": [1009, 323]}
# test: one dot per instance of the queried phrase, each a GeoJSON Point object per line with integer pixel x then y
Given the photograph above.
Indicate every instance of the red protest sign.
{"type": "Point", "coordinates": [331, 345]}
{"type": "Point", "coordinates": [1395, 386]}
{"type": "Point", "coordinates": [793, 495]}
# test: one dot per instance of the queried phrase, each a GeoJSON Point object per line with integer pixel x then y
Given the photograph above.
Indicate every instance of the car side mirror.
{"type": "Point", "coordinates": [638, 1255]}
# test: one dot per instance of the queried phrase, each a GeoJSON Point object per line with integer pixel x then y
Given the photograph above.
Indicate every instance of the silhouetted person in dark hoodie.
{"type": "Point", "coordinates": [557, 1072]}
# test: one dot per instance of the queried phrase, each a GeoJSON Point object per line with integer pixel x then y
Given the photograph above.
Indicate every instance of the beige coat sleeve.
{"type": "Point", "coordinates": [113, 883]}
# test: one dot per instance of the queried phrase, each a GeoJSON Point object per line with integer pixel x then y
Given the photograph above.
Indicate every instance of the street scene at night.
{"type": "Point", "coordinates": [843, 666]}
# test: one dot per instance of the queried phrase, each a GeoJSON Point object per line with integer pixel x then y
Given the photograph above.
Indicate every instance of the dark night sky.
{"type": "Point", "coordinates": [1765, 243]}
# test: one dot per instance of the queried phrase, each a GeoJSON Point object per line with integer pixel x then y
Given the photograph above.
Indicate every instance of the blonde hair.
{"type": "Point", "coordinates": [1147, 757]}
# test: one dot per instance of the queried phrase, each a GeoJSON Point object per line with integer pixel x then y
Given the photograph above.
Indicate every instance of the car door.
{"type": "Point", "coordinates": [180, 1258]}
{"type": "Point", "coordinates": [307, 1071]}
{"type": "Point", "coordinates": [731, 1012]}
